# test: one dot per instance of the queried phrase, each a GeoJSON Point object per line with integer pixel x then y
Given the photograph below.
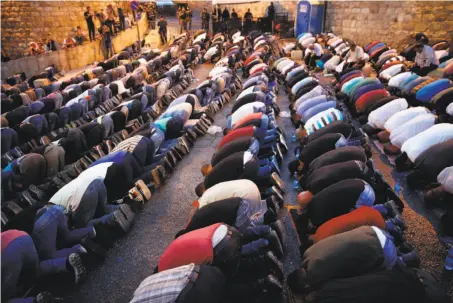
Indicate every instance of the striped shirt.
{"type": "Point", "coordinates": [322, 119]}
{"type": "Point", "coordinates": [165, 286]}
{"type": "Point", "coordinates": [128, 144]}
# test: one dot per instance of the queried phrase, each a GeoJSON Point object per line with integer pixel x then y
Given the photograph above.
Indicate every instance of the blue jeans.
{"type": "Point", "coordinates": [250, 214]}
{"type": "Point", "coordinates": [265, 136]}
{"type": "Point", "coordinates": [265, 171]}
{"type": "Point", "coordinates": [93, 207]}
{"type": "Point", "coordinates": [367, 197]}
{"type": "Point", "coordinates": [20, 263]}
{"type": "Point", "coordinates": [254, 147]}
{"type": "Point", "coordinates": [390, 252]}
{"type": "Point", "coordinates": [52, 224]}
{"type": "Point", "coordinates": [255, 247]}
{"type": "Point", "coordinates": [180, 113]}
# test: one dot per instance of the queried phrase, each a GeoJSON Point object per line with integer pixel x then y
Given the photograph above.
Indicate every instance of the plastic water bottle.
{"type": "Point", "coordinates": [296, 184]}
{"type": "Point", "coordinates": [293, 135]}
{"type": "Point", "coordinates": [449, 260]}
{"type": "Point", "coordinates": [397, 188]}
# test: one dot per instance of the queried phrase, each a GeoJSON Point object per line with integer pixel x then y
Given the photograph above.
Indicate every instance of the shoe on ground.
{"type": "Point", "coordinates": [276, 180]}
{"type": "Point", "coordinates": [44, 297]}
{"type": "Point", "coordinates": [274, 244]}
{"type": "Point", "coordinates": [392, 208]}
{"type": "Point", "coordinates": [270, 284]}
{"type": "Point", "coordinates": [127, 212]}
{"type": "Point", "coordinates": [121, 221]}
{"type": "Point", "coordinates": [75, 265]}
{"type": "Point", "coordinates": [279, 228]}
{"type": "Point", "coordinates": [274, 265]}
{"type": "Point", "coordinates": [143, 190]}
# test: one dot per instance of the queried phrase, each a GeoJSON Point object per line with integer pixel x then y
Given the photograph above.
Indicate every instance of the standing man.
{"type": "Point", "coordinates": [271, 15]}
{"type": "Point", "coordinates": [111, 19]}
{"type": "Point", "coordinates": [89, 19]}
{"type": "Point", "coordinates": [121, 17]}
{"type": "Point", "coordinates": [162, 30]}
{"type": "Point", "coordinates": [225, 19]}
{"type": "Point", "coordinates": [248, 17]}
{"type": "Point", "coordinates": [189, 19]}
{"type": "Point", "coordinates": [107, 42]}
{"type": "Point", "coordinates": [425, 59]}
{"type": "Point", "coordinates": [234, 15]}
{"type": "Point", "coordinates": [205, 19]}
{"type": "Point", "coordinates": [182, 20]}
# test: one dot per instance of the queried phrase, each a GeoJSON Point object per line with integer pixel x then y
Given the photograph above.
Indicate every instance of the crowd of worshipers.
{"type": "Point", "coordinates": [84, 157]}
{"type": "Point", "coordinates": [230, 248]}
{"type": "Point", "coordinates": [353, 245]}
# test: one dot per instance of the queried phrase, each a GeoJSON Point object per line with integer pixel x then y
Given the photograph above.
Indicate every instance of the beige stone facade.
{"type": "Point", "coordinates": [393, 22]}
{"type": "Point", "coordinates": [71, 58]}
{"type": "Point", "coordinates": [26, 21]}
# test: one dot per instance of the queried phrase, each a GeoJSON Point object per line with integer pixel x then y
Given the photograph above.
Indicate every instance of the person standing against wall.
{"type": "Point", "coordinates": [89, 19]}
{"type": "Point", "coordinates": [188, 19]}
{"type": "Point", "coordinates": [248, 17]}
{"type": "Point", "coordinates": [162, 24]}
{"type": "Point", "coordinates": [271, 15]}
{"type": "Point", "coordinates": [205, 19]}
{"type": "Point", "coordinates": [106, 42]}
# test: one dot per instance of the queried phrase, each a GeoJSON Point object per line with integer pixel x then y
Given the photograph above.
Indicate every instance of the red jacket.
{"type": "Point", "coordinates": [248, 120]}
{"type": "Point", "coordinates": [237, 133]}
{"type": "Point", "coordinates": [369, 98]}
{"type": "Point", "coordinates": [363, 216]}
{"type": "Point", "coordinates": [193, 247]}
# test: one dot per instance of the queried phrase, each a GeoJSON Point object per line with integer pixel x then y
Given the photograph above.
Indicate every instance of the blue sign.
{"type": "Point", "coordinates": [134, 5]}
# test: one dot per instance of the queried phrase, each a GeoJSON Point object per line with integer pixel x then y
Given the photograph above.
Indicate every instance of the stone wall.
{"type": "Point", "coordinates": [393, 22]}
{"type": "Point", "coordinates": [71, 58]}
{"type": "Point", "coordinates": [26, 21]}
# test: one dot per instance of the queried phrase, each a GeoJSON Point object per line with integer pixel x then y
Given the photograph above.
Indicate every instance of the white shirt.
{"type": "Point", "coordinates": [404, 116]}
{"type": "Point", "coordinates": [247, 109]}
{"type": "Point", "coordinates": [121, 88]}
{"type": "Point", "coordinates": [378, 117]}
{"type": "Point", "coordinates": [411, 128]}
{"type": "Point", "coordinates": [280, 65]}
{"type": "Point", "coordinates": [69, 196]}
{"type": "Point", "coordinates": [306, 42]}
{"type": "Point", "coordinates": [249, 90]}
{"type": "Point", "coordinates": [244, 189]}
{"type": "Point", "coordinates": [317, 50]}
{"type": "Point", "coordinates": [211, 52]}
{"type": "Point", "coordinates": [289, 47]}
{"type": "Point", "coordinates": [426, 57]}
{"type": "Point", "coordinates": [356, 55]}
{"type": "Point", "coordinates": [391, 71]}
{"type": "Point", "coordinates": [434, 135]}
{"type": "Point", "coordinates": [332, 63]}
{"type": "Point", "coordinates": [287, 67]}
{"type": "Point", "coordinates": [396, 81]}
{"type": "Point", "coordinates": [446, 179]}
{"type": "Point", "coordinates": [218, 70]}
{"type": "Point", "coordinates": [449, 109]}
